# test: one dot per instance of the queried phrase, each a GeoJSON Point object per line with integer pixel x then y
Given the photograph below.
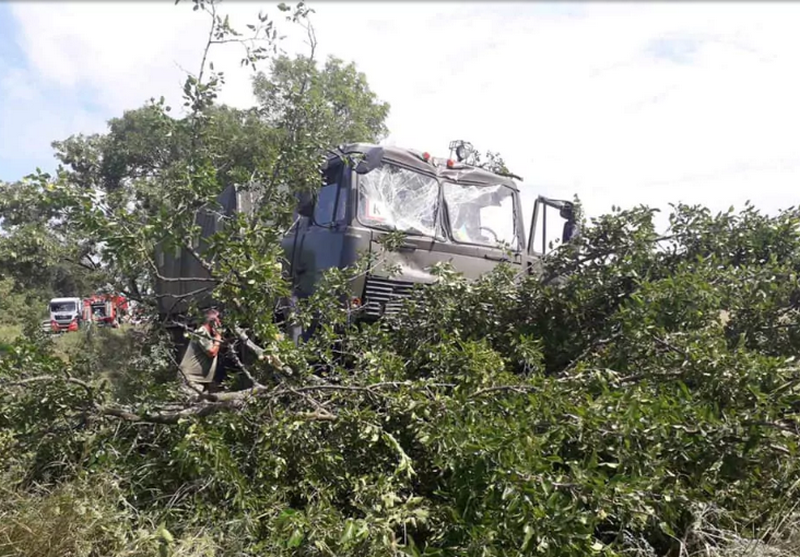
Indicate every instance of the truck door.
{"type": "Point", "coordinates": [321, 237]}
{"type": "Point", "coordinates": [552, 225]}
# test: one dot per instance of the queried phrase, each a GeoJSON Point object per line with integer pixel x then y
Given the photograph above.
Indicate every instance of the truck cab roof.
{"type": "Point", "coordinates": [437, 166]}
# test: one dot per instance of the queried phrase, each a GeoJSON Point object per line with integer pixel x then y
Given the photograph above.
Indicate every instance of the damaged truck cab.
{"type": "Point", "coordinates": [447, 210]}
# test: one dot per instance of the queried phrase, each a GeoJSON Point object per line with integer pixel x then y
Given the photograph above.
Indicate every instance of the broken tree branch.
{"type": "Point", "coordinates": [206, 404]}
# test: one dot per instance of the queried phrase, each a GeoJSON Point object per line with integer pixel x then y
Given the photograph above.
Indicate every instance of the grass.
{"type": "Point", "coordinates": [87, 517]}
{"type": "Point", "coordinates": [90, 517]}
{"type": "Point", "coordinates": [106, 341]}
{"type": "Point", "coordinates": [114, 355]}
{"type": "Point", "coordinates": [780, 539]}
{"type": "Point", "coordinates": [9, 333]}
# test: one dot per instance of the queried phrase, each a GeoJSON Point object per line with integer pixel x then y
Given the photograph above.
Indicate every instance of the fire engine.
{"type": "Point", "coordinates": [105, 309]}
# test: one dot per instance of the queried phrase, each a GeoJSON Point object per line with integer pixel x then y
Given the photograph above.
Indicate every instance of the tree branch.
{"type": "Point", "coordinates": [652, 375]}
{"type": "Point", "coordinates": [159, 276]}
{"type": "Point", "coordinates": [206, 404]}
{"type": "Point", "coordinates": [186, 295]}
{"type": "Point", "coordinates": [672, 348]}
{"type": "Point", "coordinates": [45, 378]}
{"type": "Point", "coordinates": [520, 389]}
{"type": "Point", "coordinates": [597, 343]}
{"type": "Point", "coordinates": [169, 417]}
{"type": "Point", "coordinates": [242, 367]}
{"type": "Point", "coordinates": [209, 42]}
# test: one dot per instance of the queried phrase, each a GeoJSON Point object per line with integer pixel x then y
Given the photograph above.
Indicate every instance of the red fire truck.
{"type": "Point", "coordinates": [105, 309]}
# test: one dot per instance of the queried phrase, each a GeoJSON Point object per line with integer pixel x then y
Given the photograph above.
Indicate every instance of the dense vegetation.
{"type": "Point", "coordinates": [643, 404]}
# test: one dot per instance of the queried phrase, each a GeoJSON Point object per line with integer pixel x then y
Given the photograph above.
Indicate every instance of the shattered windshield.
{"type": "Point", "coordinates": [398, 199]}
{"type": "Point", "coordinates": [481, 214]}
{"type": "Point", "coordinates": [62, 307]}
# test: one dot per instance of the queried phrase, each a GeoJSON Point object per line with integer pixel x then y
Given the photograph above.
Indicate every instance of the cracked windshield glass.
{"type": "Point", "coordinates": [481, 214]}
{"type": "Point", "coordinates": [398, 199]}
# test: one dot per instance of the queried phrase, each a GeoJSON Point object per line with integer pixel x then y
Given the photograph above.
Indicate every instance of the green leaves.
{"type": "Point", "coordinates": [602, 408]}
{"type": "Point", "coordinates": [337, 99]}
{"type": "Point", "coordinates": [454, 429]}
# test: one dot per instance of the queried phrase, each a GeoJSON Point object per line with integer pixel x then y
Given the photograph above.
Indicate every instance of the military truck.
{"type": "Point", "coordinates": [448, 210]}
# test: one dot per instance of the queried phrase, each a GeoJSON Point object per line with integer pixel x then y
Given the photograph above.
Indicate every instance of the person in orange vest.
{"type": "Point", "coordinates": [199, 363]}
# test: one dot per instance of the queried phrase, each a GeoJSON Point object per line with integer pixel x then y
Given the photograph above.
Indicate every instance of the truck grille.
{"type": "Point", "coordinates": [384, 296]}
{"type": "Point", "coordinates": [63, 317]}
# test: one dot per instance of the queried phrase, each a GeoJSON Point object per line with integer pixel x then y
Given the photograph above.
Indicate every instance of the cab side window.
{"type": "Point", "coordinates": [326, 204]}
{"type": "Point", "coordinates": [331, 203]}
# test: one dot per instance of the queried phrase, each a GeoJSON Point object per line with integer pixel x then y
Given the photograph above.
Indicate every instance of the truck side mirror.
{"type": "Point", "coordinates": [305, 205]}
{"type": "Point", "coordinates": [570, 226]}
{"type": "Point", "coordinates": [372, 160]}
{"type": "Point", "coordinates": [570, 231]}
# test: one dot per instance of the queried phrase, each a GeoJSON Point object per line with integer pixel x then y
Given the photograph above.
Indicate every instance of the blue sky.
{"type": "Point", "coordinates": [621, 103]}
{"type": "Point", "coordinates": [33, 112]}
{"type": "Point", "coordinates": [11, 56]}
{"type": "Point", "coordinates": [677, 49]}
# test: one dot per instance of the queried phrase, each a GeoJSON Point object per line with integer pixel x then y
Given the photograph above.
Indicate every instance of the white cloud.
{"type": "Point", "coordinates": [29, 132]}
{"type": "Point", "coordinates": [576, 97]}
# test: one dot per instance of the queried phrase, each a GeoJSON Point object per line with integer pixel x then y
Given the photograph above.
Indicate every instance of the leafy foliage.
{"type": "Point", "coordinates": [480, 425]}
{"type": "Point", "coordinates": [39, 255]}
{"type": "Point", "coordinates": [638, 398]}
{"type": "Point", "coordinates": [338, 95]}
